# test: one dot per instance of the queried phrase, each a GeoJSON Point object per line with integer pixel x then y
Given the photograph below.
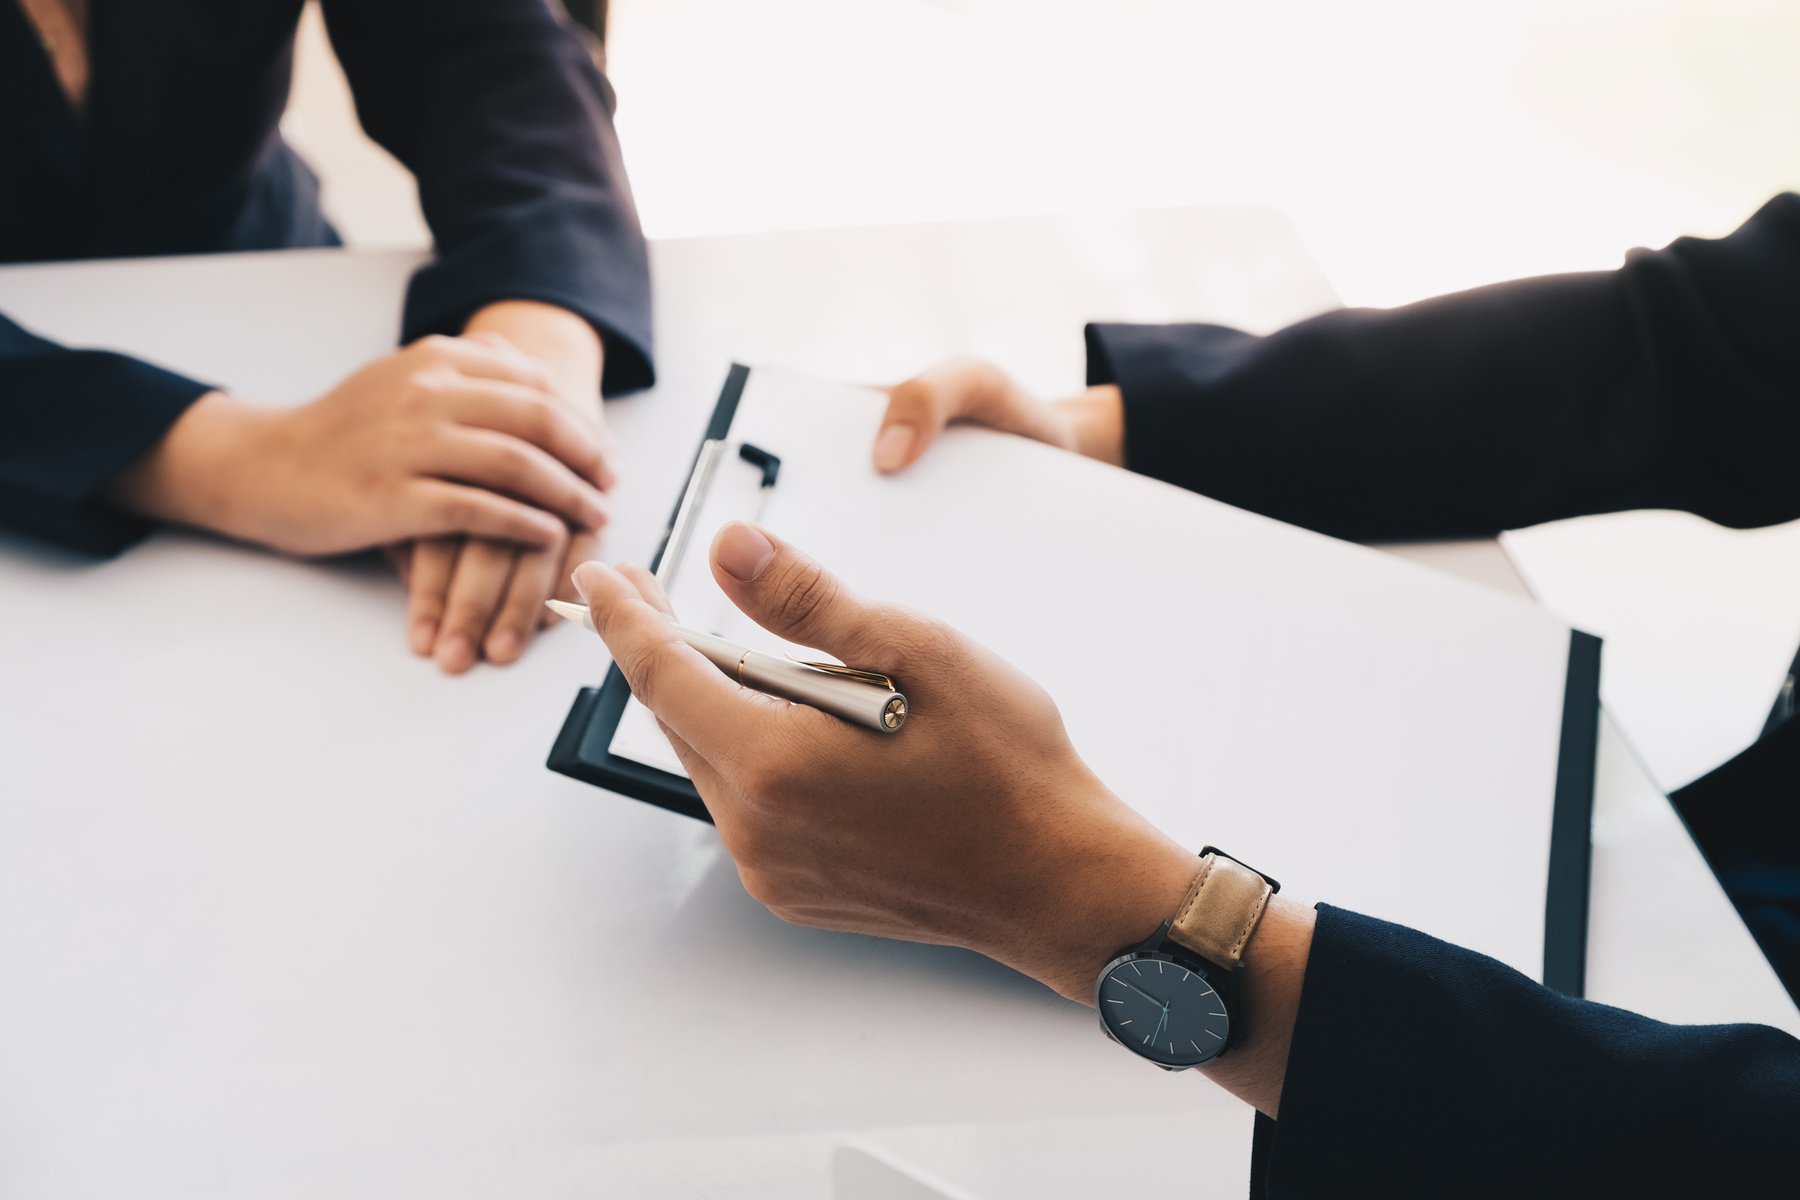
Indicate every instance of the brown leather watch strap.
{"type": "Point", "coordinates": [1220, 910]}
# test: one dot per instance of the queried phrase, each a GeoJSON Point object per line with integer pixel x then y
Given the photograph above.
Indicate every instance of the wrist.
{"type": "Point", "coordinates": [1110, 891]}
{"type": "Point", "coordinates": [1269, 987]}
{"type": "Point", "coordinates": [554, 335]}
{"type": "Point", "coordinates": [192, 476]}
{"type": "Point", "coordinates": [1096, 423]}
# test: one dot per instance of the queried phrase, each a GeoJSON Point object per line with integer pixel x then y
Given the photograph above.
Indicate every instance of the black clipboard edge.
{"type": "Point", "coordinates": [583, 748]}
{"type": "Point", "coordinates": [583, 751]}
{"type": "Point", "coordinates": [723, 414]}
{"type": "Point", "coordinates": [1572, 822]}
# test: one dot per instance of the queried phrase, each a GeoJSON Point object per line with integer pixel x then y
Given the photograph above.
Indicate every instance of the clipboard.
{"type": "Point", "coordinates": [584, 747]}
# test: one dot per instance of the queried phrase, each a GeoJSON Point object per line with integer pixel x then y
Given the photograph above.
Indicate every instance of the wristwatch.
{"type": "Point", "coordinates": [1173, 999]}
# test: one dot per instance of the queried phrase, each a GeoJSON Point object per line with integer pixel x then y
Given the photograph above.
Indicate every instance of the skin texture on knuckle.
{"type": "Point", "coordinates": [919, 651]}
{"type": "Point", "coordinates": [519, 469]}
{"type": "Point", "coordinates": [457, 510]}
{"type": "Point", "coordinates": [433, 347]}
{"type": "Point", "coordinates": [422, 390]}
{"type": "Point", "coordinates": [800, 594]}
{"type": "Point", "coordinates": [542, 421]}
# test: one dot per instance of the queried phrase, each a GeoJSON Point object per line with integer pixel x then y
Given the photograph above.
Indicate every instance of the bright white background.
{"type": "Point", "coordinates": [1418, 146]}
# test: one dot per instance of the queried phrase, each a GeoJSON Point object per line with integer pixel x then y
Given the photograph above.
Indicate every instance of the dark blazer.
{"type": "Point", "coordinates": [494, 105]}
{"type": "Point", "coordinates": [1419, 1068]}
{"type": "Point", "coordinates": [1673, 382]}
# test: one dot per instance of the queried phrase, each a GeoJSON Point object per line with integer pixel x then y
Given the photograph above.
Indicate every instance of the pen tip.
{"type": "Point", "coordinates": [577, 613]}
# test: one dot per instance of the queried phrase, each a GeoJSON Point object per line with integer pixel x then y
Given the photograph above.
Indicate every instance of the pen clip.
{"type": "Point", "coordinates": [848, 672]}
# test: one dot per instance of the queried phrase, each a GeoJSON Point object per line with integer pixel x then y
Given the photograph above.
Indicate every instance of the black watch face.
{"type": "Point", "coordinates": [1161, 1009]}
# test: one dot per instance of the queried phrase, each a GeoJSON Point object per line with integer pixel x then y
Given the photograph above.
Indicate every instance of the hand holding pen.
{"type": "Point", "coordinates": [865, 698]}
{"type": "Point", "coordinates": [969, 828]}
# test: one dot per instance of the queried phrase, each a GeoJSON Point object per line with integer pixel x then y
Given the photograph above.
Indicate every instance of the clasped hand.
{"type": "Point", "coordinates": [460, 455]}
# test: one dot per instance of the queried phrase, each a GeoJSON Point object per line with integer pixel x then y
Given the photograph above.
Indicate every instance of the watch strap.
{"type": "Point", "coordinates": [1221, 910]}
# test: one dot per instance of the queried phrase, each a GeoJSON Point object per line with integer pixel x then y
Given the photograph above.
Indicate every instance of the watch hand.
{"type": "Point", "coordinates": [1140, 991]}
{"type": "Point", "coordinates": [1164, 1020]}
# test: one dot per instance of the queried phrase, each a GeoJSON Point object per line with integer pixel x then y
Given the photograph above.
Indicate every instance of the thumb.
{"type": "Point", "coordinates": [795, 598]}
{"type": "Point", "coordinates": [917, 412]}
{"type": "Point", "coordinates": [685, 691]}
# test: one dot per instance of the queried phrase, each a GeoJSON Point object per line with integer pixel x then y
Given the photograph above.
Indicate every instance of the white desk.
{"type": "Point", "coordinates": [284, 912]}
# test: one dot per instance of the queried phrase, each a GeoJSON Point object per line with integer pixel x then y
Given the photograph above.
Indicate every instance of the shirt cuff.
{"type": "Point", "coordinates": [554, 263]}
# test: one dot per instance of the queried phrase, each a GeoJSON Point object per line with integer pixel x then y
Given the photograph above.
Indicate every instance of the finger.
{"type": "Point", "coordinates": [709, 712]}
{"type": "Point", "coordinates": [476, 588]}
{"type": "Point", "coordinates": [650, 590]}
{"type": "Point", "coordinates": [490, 337]}
{"type": "Point", "coordinates": [532, 416]}
{"type": "Point", "coordinates": [793, 597]}
{"type": "Point", "coordinates": [649, 587]}
{"type": "Point", "coordinates": [436, 507]}
{"type": "Point", "coordinates": [534, 578]}
{"type": "Point", "coordinates": [485, 356]}
{"type": "Point", "coordinates": [583, 545]}
{"type": "Point", "coordinates": [399, 556]}
{"type": "Point", "coordinates": [432, 560]}
{"type": "Point", "coordinates": [514, 467]}
{"type": "Point", "coordinates": [963, 390]}
{"type": "Point", "coordinates": [917, 412]}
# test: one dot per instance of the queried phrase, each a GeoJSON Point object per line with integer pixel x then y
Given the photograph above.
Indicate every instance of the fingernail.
{"type": "Point", "coordinates": [743, 551]}
{"type": "Point", "coordinates": [504, 646]}
{"type": "Point", "coordinates": [456, 653]}
{"type": "Point", "coordinates": [891, 447]}
{"type": "Point", "coordinates": [424, 633]}
{"type": "Point", "coordinates": [580, 589]}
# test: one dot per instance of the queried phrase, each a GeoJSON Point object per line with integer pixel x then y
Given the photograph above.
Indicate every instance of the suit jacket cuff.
{"type": "Point", "coordinates": [73, 420]}
{"type": "Point", "coordinates": [602, 278]}
{"type": "Point", "coordinates": [1161, 371]}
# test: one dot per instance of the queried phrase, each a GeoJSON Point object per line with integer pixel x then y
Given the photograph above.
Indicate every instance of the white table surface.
{"type": "Point", "coordinates": [284, 912]}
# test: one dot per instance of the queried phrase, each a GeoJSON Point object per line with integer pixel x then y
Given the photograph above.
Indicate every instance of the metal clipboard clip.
{"type": "Point", "coordinates": [693, 499]}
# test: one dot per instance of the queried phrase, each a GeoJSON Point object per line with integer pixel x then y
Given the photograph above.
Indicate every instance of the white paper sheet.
{"type": "Point", "coordinates": [1239, 681]}
{"type": "Point", "coordinates": [1701, 623]}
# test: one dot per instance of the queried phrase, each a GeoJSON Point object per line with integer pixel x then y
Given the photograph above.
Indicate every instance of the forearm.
{"type": "Point", "coordinates": [1425, 1068]}
{"type": "Point", "coordinates": [1457, 417]}
{"type": "Point", "coordinates": [1663, 384]}
{"type": "Point", "coordinates": [499, 111]}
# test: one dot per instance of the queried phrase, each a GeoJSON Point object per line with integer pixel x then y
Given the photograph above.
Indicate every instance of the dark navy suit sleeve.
{"type": "Point", "coordinates": [1422, 1069]}
{"type": "Point", "coordinates": [69, 421]}
{"type": "Point", "coordinates": [500, 112]}
{"type": "Point", "coordinates": [1673, 382]}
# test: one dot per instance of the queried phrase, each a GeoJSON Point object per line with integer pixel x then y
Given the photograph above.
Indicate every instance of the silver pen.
{"type": "Point", "coordinates": [863, 697]}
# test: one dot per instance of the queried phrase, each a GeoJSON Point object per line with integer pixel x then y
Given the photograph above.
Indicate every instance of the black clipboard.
{"type": "Point", "coordinates": [583, 751]}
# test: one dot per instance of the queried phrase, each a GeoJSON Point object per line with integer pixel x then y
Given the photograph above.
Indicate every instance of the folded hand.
{"type": "Point", "coordinates": [447, 436]}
